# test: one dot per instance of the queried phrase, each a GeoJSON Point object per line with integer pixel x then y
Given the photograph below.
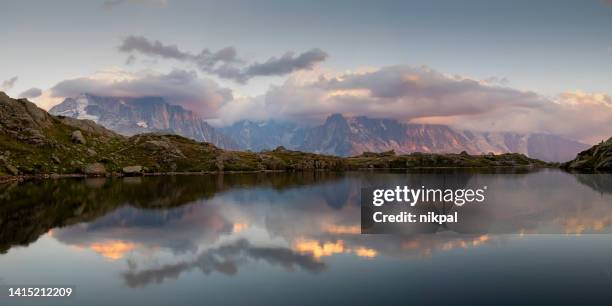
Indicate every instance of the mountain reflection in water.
{"type": "Point", "coordinates": [157, 230]}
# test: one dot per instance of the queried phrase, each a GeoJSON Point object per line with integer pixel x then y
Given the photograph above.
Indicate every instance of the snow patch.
{"type": "Point", "coordinates": [81, 104]}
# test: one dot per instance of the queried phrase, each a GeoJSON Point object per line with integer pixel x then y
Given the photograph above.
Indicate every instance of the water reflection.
{"type": "Point", "coordinates": [159, 228]}
{"type": "Point", "coordinates": [225, 259]}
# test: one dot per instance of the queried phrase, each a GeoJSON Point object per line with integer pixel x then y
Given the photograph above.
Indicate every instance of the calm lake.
{"type": "Point", "coordinates": [294, 239]}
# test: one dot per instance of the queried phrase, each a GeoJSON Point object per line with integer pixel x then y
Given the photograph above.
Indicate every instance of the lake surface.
{"type": "Point", "coordinates": [294, 239]}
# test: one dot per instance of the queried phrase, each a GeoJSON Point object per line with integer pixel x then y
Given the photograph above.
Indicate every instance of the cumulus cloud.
{"type": "Point", "coordinates": [31, 93]}
{"type": "Point", "coordinates": [578, 115]}
{"type": "Point", "coordinates": [180, 87]}
{"type": "Point", "coordinates": [152, 48]}
{"type": "Point", "coordinates": [425, 95]}
{"type": "Point", "coordinates": [399, 92]}
{"type": "Point", "coordinates": [8, 84]}
{"type": "Point", "coordinates": [225, 62]}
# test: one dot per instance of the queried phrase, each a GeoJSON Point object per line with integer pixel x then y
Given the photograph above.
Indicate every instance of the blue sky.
{"type": "Point", "coordinates": [548, 47]}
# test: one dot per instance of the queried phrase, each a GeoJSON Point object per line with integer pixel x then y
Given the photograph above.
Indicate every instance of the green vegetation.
{"type": "Point", "coordinates": [430, 160]}
{"type": "Point", "coordinates": [597, 158]}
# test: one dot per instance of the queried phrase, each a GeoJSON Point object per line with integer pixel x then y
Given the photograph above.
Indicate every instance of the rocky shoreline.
{"type": "Point", "coordinates": [22, 177]}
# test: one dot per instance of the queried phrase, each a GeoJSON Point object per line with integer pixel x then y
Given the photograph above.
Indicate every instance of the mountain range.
{"type": "Point", "coordinates": [348, 136]}
{"type": "Point", "coordinates": [338, 135]}
{"type": "Point", "coordinates": [35, 143]}
{"type": "Point", "coordinates": [130, 116]}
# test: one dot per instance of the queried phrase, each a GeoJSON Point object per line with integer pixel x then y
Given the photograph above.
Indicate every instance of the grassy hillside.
{"type": "Point", "coordinates": [597, 158]}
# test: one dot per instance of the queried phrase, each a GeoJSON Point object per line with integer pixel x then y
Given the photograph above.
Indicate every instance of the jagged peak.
{"type": "Point", "coordinates": [335, 118]}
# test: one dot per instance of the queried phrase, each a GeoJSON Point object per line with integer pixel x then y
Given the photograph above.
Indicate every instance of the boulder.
{"type": "Point", "coordinates": [280, 149]}
{"type": "Point", "coordinates": [94, 169]}
{"type": "Point", "coordinates": [156, 145]}
{"type": "Point", "coordinates": [132, 170]}
{"type": "Point", "coordinates": [33, 136]}
{"type": "Point", "coordinates": [55, 159]}
{"type": "Point", "coordinates": [389, 153]}
{"type": "Point", "coordinates": [11, 169]}
{"type": "Point", "coordinates": [77, 137]}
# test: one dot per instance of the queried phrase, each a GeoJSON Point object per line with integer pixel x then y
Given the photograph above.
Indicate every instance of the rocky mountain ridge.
{"type": "Point", "coordinates": [338, 135]}
{"type": "Point", "coordinates": [349, 136]}
{"type": "Point", "coordinates": [597, 158]}
{"type": "Point", "coordinates": [130, 116]}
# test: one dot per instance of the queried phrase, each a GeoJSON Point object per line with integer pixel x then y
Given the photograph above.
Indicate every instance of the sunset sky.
{"type": "Point", "coordinates": [527, 66]}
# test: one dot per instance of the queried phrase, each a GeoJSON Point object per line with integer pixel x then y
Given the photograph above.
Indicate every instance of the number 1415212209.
{"type": "Point", "coordinates": [39, 291]}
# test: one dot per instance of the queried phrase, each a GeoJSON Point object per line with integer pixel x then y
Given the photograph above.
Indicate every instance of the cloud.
{"type": "Point", "coordinates": [424, 95]}
{"type": "Point", "coordinates": [399, 92]}
{"type": "Point", "coordinates": [578, 115]}
{"type": "Point", "coordinates": [152, 48]}
{"type": "Point", "coordinates": [8, 84]}
{"type": "Point", "coordinates": [287, 63]}
{"type": "Point", "coordinates": [226, 259]}
{"type": "Point", "coordinates": [225, 62]}
{"type": "Point", "coordinates": [130, 59]}
{"type": "Point", "coordinates": [111, 4]}
{"type": "Point", "coordinates": [405, 93]}
{"type": "Point", "coordinates": [581, 115]}
{"type": "Point", "coordinates": [180, 87]}
{"type": "Point", "coordinates": [31, 93]}
{"type": "Point", "coordinates": [496, 81]}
